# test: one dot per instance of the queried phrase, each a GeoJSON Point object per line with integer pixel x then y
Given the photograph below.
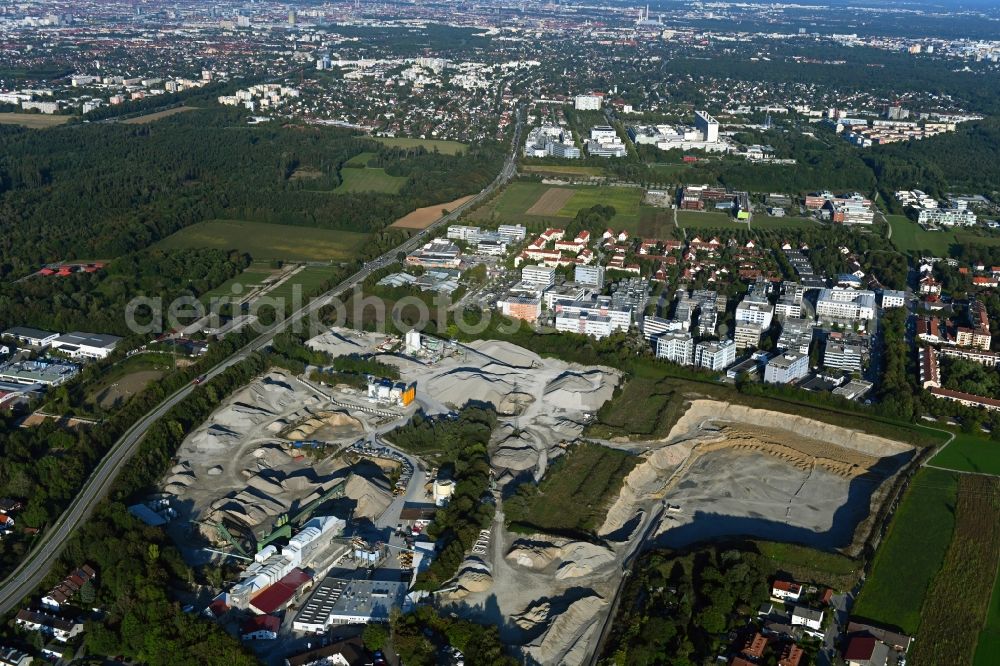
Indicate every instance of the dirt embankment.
{"type": "Point", "coordinates": [703, 412]}
{"type": "Point", "coordinates": [750, 470]}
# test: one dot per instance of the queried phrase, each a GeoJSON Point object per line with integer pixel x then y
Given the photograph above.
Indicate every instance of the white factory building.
{"type": "Point", "coordinates": [86, 345]}
{"type": "Point", "coordinates": [271, 565]}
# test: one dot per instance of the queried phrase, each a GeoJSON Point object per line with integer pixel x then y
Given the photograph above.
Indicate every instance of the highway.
{"type": "Point", "coordinates": [30, 572]}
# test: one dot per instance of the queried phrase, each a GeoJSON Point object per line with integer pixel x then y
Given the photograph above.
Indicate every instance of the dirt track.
{"type": "Point", "coordinates": [551, 202]}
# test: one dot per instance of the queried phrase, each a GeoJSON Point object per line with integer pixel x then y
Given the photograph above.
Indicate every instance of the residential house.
{"type": "Point", "coordinates": [786, 590]}
{"type": "Point", "coordinates": [807, 617]}
{"type": "Point", "coordinates": [57, 627]}
{"type": "Point", "coordinates": [865, 651]}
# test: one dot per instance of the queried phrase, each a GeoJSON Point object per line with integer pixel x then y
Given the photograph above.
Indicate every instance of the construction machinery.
{"type": "Point", "coordinates": [285, 523]}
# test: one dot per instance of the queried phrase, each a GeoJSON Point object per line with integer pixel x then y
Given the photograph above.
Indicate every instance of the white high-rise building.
{"type": "Point", "coordinates": [676, 348]}
{"type": "Point", "coordinates": [846, 304]}
{"type": "Point", "coordinates": [587, 103]}
{"type": "Point", "coordinates": [540, 276]}
{"type": "Point", "coordinates": [786, 368]}
{"type": "Point", "coordinates": [591, 276]}
{"type": "Point", "coordinates": [715, 355]}
{"type": "Point", "coordinates": [707, 125]}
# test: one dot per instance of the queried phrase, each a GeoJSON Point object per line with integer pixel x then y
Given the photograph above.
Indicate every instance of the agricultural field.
{"type": "Point", "coordinates": [159, 115]}
{"type": "Point", "coordinates": [442, 146]}
{"type": "Point", "coordinates": [988, 646]}
{"type": "Point", "coordinates": [624, 199]}
{"type": "Point", "coordinates": [424, 217]}
{"type": "Point", "coordinates": [561, 170]}
{"type": "Point", "coordinates": [268, 241]}
{"type": "Point", "coordinates": [33, 120]}
{"type": "Point", "coordinates": [912, 552]}
{"type": "Point", "coordinates": [968, 453]}
{"type": "Point", "coordinates": [537, 205]}
{"type": "Point", "coordinates": [958, 603]}
{"type": "Point", "coordinates": [574, 493]}
{"type": "Point", "coordinates": [369, 180]}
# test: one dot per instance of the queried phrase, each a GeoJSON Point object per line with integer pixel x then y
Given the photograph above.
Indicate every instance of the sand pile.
{"type": "Point", "coordinates": [346, 341]}
{"type": "Point", "coordinates": [566, 558]}
{"type": "Point", "coordinates": [372, 497]}
{"type": "Point", "coordinates": [567, 638]}
{"type": "Point", "coordinates": [800, 452]}
{"type": "Point", "coordinates": [507, 353]}
{"type": "Point", "coordinates": [516, 452]}
{"type": "Point", "coordinates": [581, 391]}
{"type": "Point", "coordinates": [533, 616]}
{"type": "Point", "coordinates": [326, 425]}
{"type": "Point", "coordinates": [459, 386]}
{"type": "Point", "coordinates": [473, 576]}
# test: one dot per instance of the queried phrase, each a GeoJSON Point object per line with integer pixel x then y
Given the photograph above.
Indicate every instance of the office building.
{"type": "Point", "coordinates": [621, 317]}
{"type": "Point", "coordinates": [605, 142]}
{"type": "Point", "coordinates": [567, 292]}
{"type": "Point", "coordinates": [520, 307]}
{"type": "Point", "coordinates": [707, 125]}
{"type": "Point", "coordinates": [464, 233]}
{"type": "Point", "coordinates": [654, 326]}
{"type": "Point", "coordinates": [786, 368]}
{"type": "Point", "coordinates": [512, 233]}
{"type": "Point", "coordinates": [786, 307]}
{"type": "Point", "coordinates": [715, 356]}
{"type": "Point", "coordinates": [755, 309]}
{"type": "Point", "coordinates": [845, 305]}
{"type": "Point", "coordinates": [550, 141]}
{"type": "Point", "coordinates": [747, 334]}
{"type": "Point", "coordinates": [32, 337]}
{"type": "Point", "coordinates": [796, 335]}
{"type": "Point", "coordinates": [538, 276]}
{"type": "Point", "coordinates": [842, 355]}
{"type": "Point", "coordinates": [587, 102]}
{"type": "Point", "coordinates": [676, 348]}
{"type": "Point", "coordinates": [439, 253]}
{"type": "Point", "coordinates": [585, 323]}
{"type": "Point", "coordinates": [591, 276]}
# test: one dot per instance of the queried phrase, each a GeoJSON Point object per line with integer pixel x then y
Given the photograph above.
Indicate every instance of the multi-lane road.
{"type": "Point", "coordinates": [29, 574]}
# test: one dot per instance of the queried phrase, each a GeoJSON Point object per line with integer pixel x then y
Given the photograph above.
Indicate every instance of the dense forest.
{"type": "Point", "coordinates": [103, 190]}
{"type": "Point", "coordinates": [964, 161]}
{"type": "Point", "coordinates": [676, 607]}
{"type": "Point", "coordinates": [97, 301]}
